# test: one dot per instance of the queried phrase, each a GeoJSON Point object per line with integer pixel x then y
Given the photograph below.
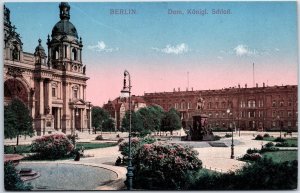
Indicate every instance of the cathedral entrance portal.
{"type": "Point", "coordinates": [14, 88]}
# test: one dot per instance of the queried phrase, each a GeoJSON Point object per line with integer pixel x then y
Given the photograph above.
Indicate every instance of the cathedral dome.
{"type": "Point", "coordinates": [64, 27]}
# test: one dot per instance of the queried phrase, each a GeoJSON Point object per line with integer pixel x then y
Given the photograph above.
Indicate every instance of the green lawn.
{"type": "Point", "coordinates": [95, 145]}
{"type": "Point", "coordinates": [20, 149]}
{"type": "Point", "coordinates": [281, 156]}
{"type": "Point", "coordinates": [291, 141]}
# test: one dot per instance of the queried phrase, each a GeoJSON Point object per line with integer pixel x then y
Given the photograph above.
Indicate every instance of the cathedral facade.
{"type": "Point", "coordinates": [53, 84]}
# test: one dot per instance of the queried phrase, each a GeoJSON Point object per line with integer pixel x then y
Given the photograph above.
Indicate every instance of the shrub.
{"type": "Point", "coordinates": [228, 135]}
{"type": "Point", "coordinates": [263, 174]}
{"type": "Point", "coordinates": [136, 143]}
{"type": "Point", "coordinates": [279, 139]}
{"type": "Point", "coordinates": [99, 137]}
{"type": "Point", "coordinates": [217, 137]}
{"type": "Point", "coordinates": [52, 146]}
{"type": "Point", "coordinates": [165, 166]}
{"type": "Point", "coordinates": [266, 135]}
{"type": "Point", "coordinates": [120, 140]}
{"type": "Point", "coordinates": [70, 136]}
{"type": "Point", "coordinates": [251, 157]}
{"type": "Point", "coordinates": [269, 144]}
{"type": "Point", "coordinates": [250, 151]}
{"type": "Point", "coordinates": [12, 180]}
{"type": "Point", "coordinates": [283, 144]}
{"type": "Point", "coordinates": [259, 137]}
{"type": "Point", "coordinates": [269, 149]}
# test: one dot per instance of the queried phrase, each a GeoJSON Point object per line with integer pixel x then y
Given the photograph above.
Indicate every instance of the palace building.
{"type": "Point", "coordinates": [53, 84]}
{"type": "Point", "coordinates": [256, 108]}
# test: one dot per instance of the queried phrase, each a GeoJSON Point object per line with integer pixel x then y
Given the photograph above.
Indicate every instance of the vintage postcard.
{"type": "Point", "coordinates": [150, 95]}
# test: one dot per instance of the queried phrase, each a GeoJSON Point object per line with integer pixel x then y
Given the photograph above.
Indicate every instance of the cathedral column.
{"type": "Point", "coordinates": [80, 92]}
{"type": "Point", "coordinates": [50, 96]}
{"type": "Point", "coordinates": [84, 92]}
{"type": "Point", "coordinates": [41, 96]}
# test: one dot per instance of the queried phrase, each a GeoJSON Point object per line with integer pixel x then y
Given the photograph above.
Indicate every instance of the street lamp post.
{"type": "Point", "coordinates": [232, 145]}
{"type": "Point", "coordinates": [278, 117]}
{"type": "Point", "coordinates": [89, 118]}
{"type": "Point", "coordinates": [74, 130]}
{"type": "Point", "coordinates": [126, 92]}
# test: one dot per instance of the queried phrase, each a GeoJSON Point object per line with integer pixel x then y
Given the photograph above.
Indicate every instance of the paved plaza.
{"type": "Point", "coordinates": [101, 161]}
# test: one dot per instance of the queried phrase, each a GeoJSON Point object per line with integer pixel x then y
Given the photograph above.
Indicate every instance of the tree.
{"type": "Point", "coordinates": [136, 123]}
{"type": "Point", "coordinates": [171, 121]}
{"type": "Point", "coordinates": [99, 115]}
{"type": "Point", "coordinates": [12, 180]}
{"type": "Point", "coordinates": [150, 118]}
{"type": "Point", "coordinates": [108, 124]}
{"type": "Point", "coordinates": [17, 120]}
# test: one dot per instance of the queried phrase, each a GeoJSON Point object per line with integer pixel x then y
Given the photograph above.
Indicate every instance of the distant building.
{"type": "Point", "coordinates": [118, 107]}
{"type": "Point", "coordinates": [257, 108]}
{"type": "Point", "coordinates": [52, 85]}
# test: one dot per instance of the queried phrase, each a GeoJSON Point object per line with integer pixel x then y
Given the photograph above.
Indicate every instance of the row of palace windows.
{"type": "Point", "coordinates": [243, 114]}
{"type": "Point", "coordinates": [251, 124]}
{"type": "Point", "coordinates": [281, 103]}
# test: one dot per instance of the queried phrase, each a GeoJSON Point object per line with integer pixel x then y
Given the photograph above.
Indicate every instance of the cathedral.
{"type": "Point", "coordinates": [53, 84]}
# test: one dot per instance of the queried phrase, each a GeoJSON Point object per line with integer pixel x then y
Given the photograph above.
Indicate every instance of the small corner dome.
{"type": "Point", "coordinates": [39, 50]}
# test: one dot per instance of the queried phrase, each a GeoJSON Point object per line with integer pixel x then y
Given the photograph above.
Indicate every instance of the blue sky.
{"type": "Point", "coordinates": [159, 49]}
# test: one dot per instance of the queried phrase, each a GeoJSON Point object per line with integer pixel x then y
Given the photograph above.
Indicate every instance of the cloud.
{"type": "Point", "coordinates": [101, 47]}
{"type": "Point", "coordinates": [177, 49]}
{"type": "Point", "coordinates": [243, 50]}
{"type": "Point", "coordinates": [277, 49]}
{"type": "Point", "coordinates": [220, 57]}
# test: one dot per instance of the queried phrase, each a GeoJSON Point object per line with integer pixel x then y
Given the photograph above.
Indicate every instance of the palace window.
{"type": "Point", "coordinates": [209, 105]}
{"type": "Point", "coordinates": [274, 103]}
{"type": "Point", "coordinates": [176, 105]}
{"type": "Point", "coordinates": [223, 105]}
{"type": "Point", "coordinates": [182, 105]}
{"type": "Point", "coordinates": [251, 114]}
{"type": "Point", "coordinates": [274, 123]}
{"type": "Point", "coordinates": [217, 105]}
{"type": "Point", "coordinates": [251, 103]}
{"type": "Point", "coordinates": [260, 103]}
{"type": "Point", "coordinates": [289, 114]}
{"type": "Point", "coordinates": [274, 114]}
{"type": "Point", "coordinates": [281, 103]}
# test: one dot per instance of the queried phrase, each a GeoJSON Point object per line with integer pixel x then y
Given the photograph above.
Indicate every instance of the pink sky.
{"type": "Point", "coordinates": [106, 83]}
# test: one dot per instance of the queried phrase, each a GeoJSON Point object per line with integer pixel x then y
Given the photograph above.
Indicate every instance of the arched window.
{"type": "Point", "coordinates": [74, 54]}
{"type": "Point", "coordinates": [55, 54]}
{"type": "Point", "coordinates": [15, 53]}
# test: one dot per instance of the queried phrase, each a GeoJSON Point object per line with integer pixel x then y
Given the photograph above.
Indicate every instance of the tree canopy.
{"type": "Point", "coordinates": [171, 121]}
{"type": "Point", "coordinates": [101, 119]}
{"type": "Point", "coordinates": [98, 116]}
{"type": "Point", "coordinates": [17, 120]}
{"type": "Point", "coordinates": [152, 118]}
